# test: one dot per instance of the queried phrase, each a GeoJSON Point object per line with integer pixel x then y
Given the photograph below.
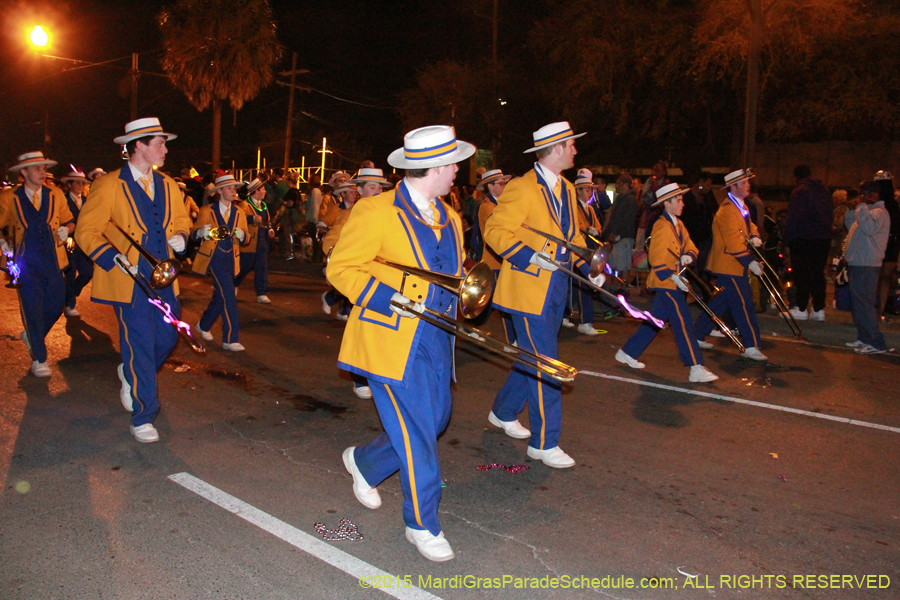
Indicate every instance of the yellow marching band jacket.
{"type": "Point", "coordinates": [379, 343]}
{"type": "Point", "coordinates": [253, 228]}
{"type": "Point", "coordinates": [207, 247]}
{"type": "Point", "coordinates": [587, 217]}
{"type": "Point", "coordinates": [669, 243]}
{"type": "Point", "coordinates": [485, 210]}
{"type": "Point", "coordinates": [58, 215]}
{"type": "Point", "coordinates": [522, 287]}
{"type": "Point", "coordinates": [110, 198]}
{"type": "Point", "coordinates": [729, 254]}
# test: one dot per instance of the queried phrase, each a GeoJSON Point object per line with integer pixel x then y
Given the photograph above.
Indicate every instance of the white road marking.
{"type": "Point", "coordinates": [787, 409]}
{"type": "Point", "coordinates": [325, 552]}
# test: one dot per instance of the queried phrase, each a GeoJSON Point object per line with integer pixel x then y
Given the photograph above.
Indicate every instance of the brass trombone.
{"type": "Point", "coordinates": [715, 319]}
{"type": "Point", "coordinates": [164, 271]}
{"type": "Point", "coordinates": [597, 259]}
{"type": "Point", "coordinates": [474, 291]}
{"type": "Point", "coordinates": [773, 288]}
{"type": "Point", "coordinates": [154, 298]}
{"type": "Point", "coordinates": [217, 234]}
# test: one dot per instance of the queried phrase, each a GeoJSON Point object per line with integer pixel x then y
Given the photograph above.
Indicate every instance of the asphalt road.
{"type": "Point", "coordinates": [723, 495]}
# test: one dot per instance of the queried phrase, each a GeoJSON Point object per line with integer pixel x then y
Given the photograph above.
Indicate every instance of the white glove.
{"type": "Point", "coordinates": [679, 283]}
{"type": "Point", "coordinates": [177, 243]}
{"type": "Point", "coordinates": [62, 233]}
{"type": "Point", "coordinates": [123, 263]}
{"type": "Point", "coordinates": [687, 259]}
{"type": "Point", "coordinates": [415, 308]}
{"type": "Point", "coordinates": [4, 247]}
{"type": "Point", "coordinates": [756, 241]}
{"type": "Point", "coordinates": [756, 268]}
{"type": "Point", "coordinates": [240, 235]}
{"type": "Point", "coordinates": [599, 280]}
{"type": "Point", "coordinates": [203, 232]}
{"type": "Point", "coordinates": [544, 261]}
{"type": "Point", "coordinates": [592, 231]}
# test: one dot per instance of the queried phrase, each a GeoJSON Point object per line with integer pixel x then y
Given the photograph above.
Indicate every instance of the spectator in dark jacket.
{"type": "Point", "coordinates": [700, 207]}
{"type": "Point", "coordinates": [807, 232]}
{"type": "Point", "coordinates": [888, 279]}
{"type": "Point", "coordinates": [621, 226]}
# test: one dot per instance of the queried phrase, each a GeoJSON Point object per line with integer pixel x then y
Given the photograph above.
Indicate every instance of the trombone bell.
{"type": "Point", "coordinates": [218, 234]}
{"type": "Point", "coordinates": [474, 290]}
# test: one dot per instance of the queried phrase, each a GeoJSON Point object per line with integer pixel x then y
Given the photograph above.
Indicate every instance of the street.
{"type": "Point", "coordinates": [724, 495]}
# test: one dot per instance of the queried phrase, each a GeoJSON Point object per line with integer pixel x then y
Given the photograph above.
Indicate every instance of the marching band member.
{"type": "Point", "coordinates": [222, 259]}
{"type": "Point", "coordinates": [729, 260]}
{"type": "Point", "coordinates": [590, 225]}
{"type": "Point", "coordinates": [81, 268]}
{"type": "Point", "coordinates": [37, 220]}
{"type": "Point", "coordinates": [255, 256]}
{"type": "Point", "coordinates": [331, 200]}
{"type": "Point", "coordinates": [190, 206]}
{"type": "Point", "coordinates": [493, 183]}
{"type": "Point", "coordinates": [368, 182]}
{"type": "Point", "coordinates": [348, 194]}
{"type": "Point", "coordinates": [148, 206]}
{"type": "Point", "coordinates": [408, 362]}
{"type": "Point", "coordinates": [531, 290]}
{"type": "Point", "coordinates": [671, 247]}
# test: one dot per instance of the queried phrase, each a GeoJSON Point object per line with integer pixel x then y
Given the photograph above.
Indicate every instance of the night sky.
{"type": "Point", "coordinates": [365, 52]}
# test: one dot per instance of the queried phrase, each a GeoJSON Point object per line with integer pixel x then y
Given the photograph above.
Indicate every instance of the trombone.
{"type": "Point", "coordinates": [160, 273]}
{"type": "Point", "coordinates": [217, 234]}
{"type": "Point", "coordinates": [715, 319]}
{"type": "Point", "coordinates": [474, 292]}
{"type": "Point", "coordinates": [164, 271]}
{"type": "Point", "coordinates": [773, 288]}
{"type": "Point", "coordinates": [597, 259]}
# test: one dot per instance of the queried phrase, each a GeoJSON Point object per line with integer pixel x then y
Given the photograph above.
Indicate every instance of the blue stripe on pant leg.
{"type": "Point", "coordinates": [679, 317]}
{"type": "Point", "coordinates": [740, 301]}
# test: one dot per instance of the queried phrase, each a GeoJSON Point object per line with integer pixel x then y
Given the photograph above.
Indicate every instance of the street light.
{"type": "Point", "coordinates": [39, 37]}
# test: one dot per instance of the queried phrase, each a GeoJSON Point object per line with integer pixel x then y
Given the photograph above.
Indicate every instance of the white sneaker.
{"type": "Point", "coordinates": [204, 334]}
{"type": "Point", "coordinates": [864, 349]}
{"type": "Point", "coordinates": [432, 547]}
{"type": "Point", "coordinates": [554, 457]}
{"type": "Point", "coordinates": [856, 344]}
{"type": "Point", "coordinates": [799, 315]}
{"type": "Point", "coordinates": [325, 308]}
{"type": "Point", "coordinates": [145, 433]}
{"type": "Point", "coordinates": [753, 353]}
{"type": "Point", "coordinates": [364, 392]}
{"type": "Point", "coordinates": [72, 312]}
{"type": "Point", "coordinates": [567, 323]}
{"type": "Point", "coordinates": [40, 369]}
{"type": "Point", "coordinates": [700, 374]}
{"type": "Point", "coordinates": [343, 317]}
{"type": "Point", "coordinates": [235, 347]}
{"type": "Point", "coordinates": [705, 345]}
{"type": "Point", "coordinates": [125, 390]}
{"type": "Point", "coordinates": [263, 299]}
{"type": "Point", "coordinates": [24, 337]}
{"type": "Point", "coordinates": [365, 493]}
{"type": "Point", "coordinates": [817, 315]}
{"type": "Point", "coordinates": [716, 333]}
{"type": "Point", "coordinates": [625, 359]}
{"type": "Point", "coordinates": [513, 429]}
{"type": "Point", "coordinates": [587, 329]}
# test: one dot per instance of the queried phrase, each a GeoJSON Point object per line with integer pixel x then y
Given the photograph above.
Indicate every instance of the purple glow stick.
{"type": "Point", "coordinates": [168, 317]}
{"type": "Point", "coordinates": [637, 314]}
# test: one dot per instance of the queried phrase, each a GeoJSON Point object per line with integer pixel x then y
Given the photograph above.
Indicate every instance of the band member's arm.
{"type": "Point", "coordinates": [93, 221]}
{"type": "Point", "coordinates": [206, 218]}
{"type": "Point", "coordinates": [359, 244]}
{"type": "Point", "coordinates": [240, 223]}
{"type": "Point", "coordinates": [731, 227]}
{"type": "Point", "coordinates": [334, 234]}
{"type": "Point", "coordinates": [663, 263]}
{"type": "Point", "coordinates": [501, 227]}
{"type": "Point", "coordinates": [66, 219]}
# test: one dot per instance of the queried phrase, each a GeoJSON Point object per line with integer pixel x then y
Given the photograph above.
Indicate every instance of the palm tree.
{"type": "Point", "coordinates": [218, 50]}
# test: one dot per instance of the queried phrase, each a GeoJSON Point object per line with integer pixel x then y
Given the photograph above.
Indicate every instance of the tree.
{"type": "Point", "coordinates": [219, 50]}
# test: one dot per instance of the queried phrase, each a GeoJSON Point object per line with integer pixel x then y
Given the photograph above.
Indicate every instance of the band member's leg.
{"type": "Point", "coordinates": [261, 272]}
{"type": "Point", "coordinates": [646, 331]}
{"type": "Point", "coordinates": [230, 319]}
{"type": "Point", "coordinates": [740, 300]}
{"type": "Point", "coordinates": [679, 317]}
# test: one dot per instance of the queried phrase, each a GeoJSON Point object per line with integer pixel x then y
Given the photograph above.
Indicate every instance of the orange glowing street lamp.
{"type": "Point", "coordinates": [39, 37]}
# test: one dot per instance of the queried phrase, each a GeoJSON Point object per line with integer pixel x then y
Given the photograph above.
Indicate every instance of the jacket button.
{"type": "Point", "coordinates": [420, 296]}
{"type": "Point", "coordinates": [414, 285]}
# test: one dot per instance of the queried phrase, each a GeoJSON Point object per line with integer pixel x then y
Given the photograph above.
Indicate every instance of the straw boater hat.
{"type": "Point", "coordinates": [255, 185]}
{"type": "Point", "coordinates": [142, 128]}
{"type": "Point", "coordinates": [346, 187]}
{"type": "Point", "coordinates": [95, 173]}
{"type": "Point", "coordinates": [432, 146]}
{"type": "Point", "coordinates": [551, 134]}
{"type": "Point", "coordinates": [495, 176]}
{"type": "Point", "coordinates": [736, 176]}
{"type": "Point", "coordinates": [366, 175]}
{"type": "Point", "coordinates": [335, 176]}
{"type": "Point", "coordinates": [224, 181]}
{"type": "Point", "coordinates": [667, 192]}
{"type": "Point", "coordinates": [74, 175]}
{"type": "Point", "coordinates": [32, 159]}
{"type": "Point", "coordinates": [585, 182]}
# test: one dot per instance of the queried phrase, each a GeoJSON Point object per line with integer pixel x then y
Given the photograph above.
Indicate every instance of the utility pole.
{"type": "Point", "coordinates": [134, 85]}
{"type": "Point", "coordinates": [324, 151]}
{"type": "Point", "coordinates": [752, 104]}
{"type": "Point", "coordinates": [290, 117]}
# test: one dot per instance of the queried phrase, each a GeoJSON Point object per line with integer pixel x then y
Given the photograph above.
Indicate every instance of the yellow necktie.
{"type": "Point", "coordinates": [557, 188]}
{"type": "Point", "coordinates": [145, 183]}
{"type": "Point", "coordinates": [36, 201]}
